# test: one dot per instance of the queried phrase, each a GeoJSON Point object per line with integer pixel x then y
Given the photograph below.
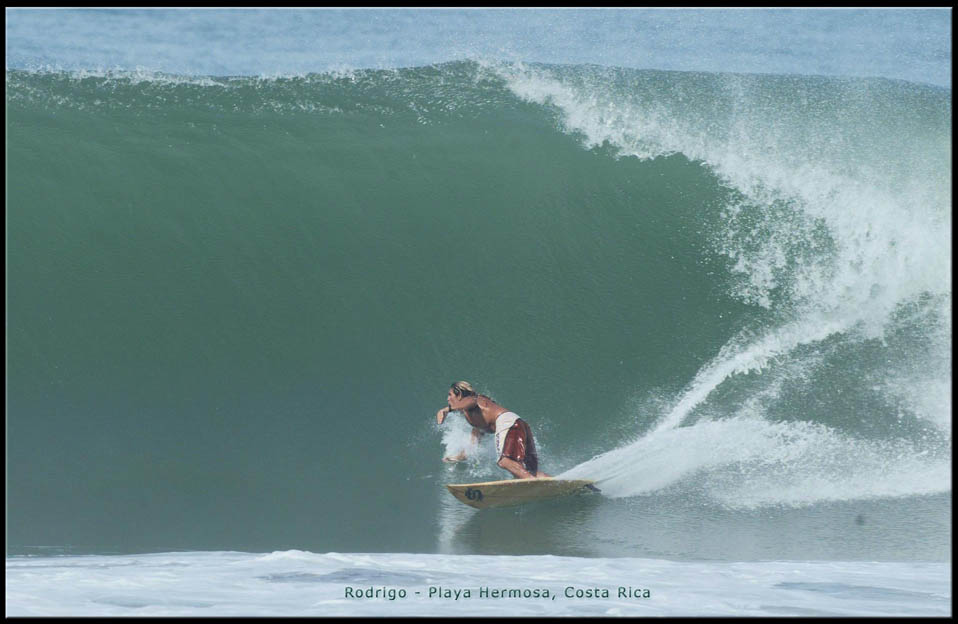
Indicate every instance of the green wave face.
{"type": "Point", "coordinates": [263, 287]}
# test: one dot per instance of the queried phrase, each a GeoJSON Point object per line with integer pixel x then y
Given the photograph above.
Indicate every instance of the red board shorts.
{"type": "Point", "coordinates": [514, 440]}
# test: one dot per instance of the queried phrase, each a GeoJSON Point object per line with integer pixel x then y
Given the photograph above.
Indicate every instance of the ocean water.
{"type": "Point", "coordinates": [248, 251]}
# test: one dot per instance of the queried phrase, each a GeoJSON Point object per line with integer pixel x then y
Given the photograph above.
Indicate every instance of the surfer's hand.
{"type": "Point", "coordinates": [455, 458]}
{"type": "Point", "coordinates": [441, 414]}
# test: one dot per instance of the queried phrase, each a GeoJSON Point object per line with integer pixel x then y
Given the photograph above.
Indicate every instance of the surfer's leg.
{"type": "Point", "coordinates": [518, 452]}
{"type": "Point", "coordinates": [527, 446]}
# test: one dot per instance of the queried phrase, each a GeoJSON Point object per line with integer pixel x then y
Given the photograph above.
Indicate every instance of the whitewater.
{"type": "Point", "coordinates": [296, 584]}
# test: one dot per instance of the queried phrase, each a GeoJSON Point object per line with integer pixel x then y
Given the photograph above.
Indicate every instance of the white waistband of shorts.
{"type": "Point", "coordinates": [505, 420]}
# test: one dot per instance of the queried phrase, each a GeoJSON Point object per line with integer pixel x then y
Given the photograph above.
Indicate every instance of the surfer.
{"type": "Point", "coordinates": [514, 443]}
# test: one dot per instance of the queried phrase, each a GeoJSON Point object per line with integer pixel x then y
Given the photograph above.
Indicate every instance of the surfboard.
{"type": "Point", "coordinates": [517, 491]}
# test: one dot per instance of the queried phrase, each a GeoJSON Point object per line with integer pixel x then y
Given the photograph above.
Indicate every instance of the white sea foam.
{"type": "Point", "coordinates": [457, 437]}
{"type": "Point", "coordinates": [298, 583]}
{"type": "Point", "coordinates": [747, 462]}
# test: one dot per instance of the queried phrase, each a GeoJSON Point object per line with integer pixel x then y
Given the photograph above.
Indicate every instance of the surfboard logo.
{"type": "Point", "coordinates": [473, 494]}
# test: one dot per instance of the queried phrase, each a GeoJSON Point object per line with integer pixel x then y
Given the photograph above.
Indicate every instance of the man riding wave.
{"type": "Point", "coordinates": [514, 444]}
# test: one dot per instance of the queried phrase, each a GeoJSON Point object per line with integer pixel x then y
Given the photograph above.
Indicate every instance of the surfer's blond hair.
{"type": "Point", "coordinates": [462, 388]}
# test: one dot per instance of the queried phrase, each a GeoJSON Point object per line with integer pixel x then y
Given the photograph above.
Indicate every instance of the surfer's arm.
{"type": "Point", "coordinates": [441, 414]}
{"type": "Point", "coordinates": [468, 403]}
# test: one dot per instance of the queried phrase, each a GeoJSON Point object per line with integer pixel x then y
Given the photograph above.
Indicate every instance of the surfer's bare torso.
{"type": "Point", "coordinates": [483, 414]}
{"type": "Point", "coordinates": [480, 411]}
